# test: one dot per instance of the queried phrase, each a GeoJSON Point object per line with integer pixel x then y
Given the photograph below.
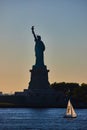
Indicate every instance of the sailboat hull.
{"type": "Point", "coordinates": [69, 116]}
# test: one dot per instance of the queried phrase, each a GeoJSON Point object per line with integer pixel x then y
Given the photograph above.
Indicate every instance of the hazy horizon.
{"type": "Point", "coordinates": [63, 28]}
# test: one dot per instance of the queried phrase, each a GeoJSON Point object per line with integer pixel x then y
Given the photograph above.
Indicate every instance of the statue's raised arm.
{"type": "Point", "coordinates": [33, 32]}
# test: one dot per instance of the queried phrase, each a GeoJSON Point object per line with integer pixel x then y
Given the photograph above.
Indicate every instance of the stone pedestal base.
{"type": "Point", "coordinates": [39, 78]}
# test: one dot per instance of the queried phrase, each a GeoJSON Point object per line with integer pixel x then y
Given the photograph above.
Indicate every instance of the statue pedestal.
{"type": "Point", "coordinates": [39, 78]}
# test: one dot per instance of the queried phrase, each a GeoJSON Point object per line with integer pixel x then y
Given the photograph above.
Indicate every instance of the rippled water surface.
{"type": "Point", "coordinates": [41, 119]}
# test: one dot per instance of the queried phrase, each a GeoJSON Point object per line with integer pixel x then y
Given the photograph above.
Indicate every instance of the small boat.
{"type": "Point", "coordinates": [70, 112]}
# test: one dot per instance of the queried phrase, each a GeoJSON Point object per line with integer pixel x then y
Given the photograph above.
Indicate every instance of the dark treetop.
{"type": "Point", "coordinates": [39, 49]}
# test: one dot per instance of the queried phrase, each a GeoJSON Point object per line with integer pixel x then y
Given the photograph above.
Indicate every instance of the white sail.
{"type": "Point", "coordinates": [70, 112]}
{"type": "Point", "coordinates": [73, 113]}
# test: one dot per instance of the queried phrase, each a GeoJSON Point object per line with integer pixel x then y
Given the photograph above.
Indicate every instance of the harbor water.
{"type": "Point", "coordinates": [41, 119]}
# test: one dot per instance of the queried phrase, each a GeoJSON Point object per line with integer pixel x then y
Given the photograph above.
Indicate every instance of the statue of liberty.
{"type": "Point", "coordinates": [39, 49]}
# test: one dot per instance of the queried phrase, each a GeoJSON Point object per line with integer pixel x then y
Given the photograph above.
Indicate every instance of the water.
{"type": "Point", "coordinates": [41, 119]}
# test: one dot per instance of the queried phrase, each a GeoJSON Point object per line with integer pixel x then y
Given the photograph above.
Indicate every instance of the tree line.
{"type": "Point", "coordinates": [75, 91]}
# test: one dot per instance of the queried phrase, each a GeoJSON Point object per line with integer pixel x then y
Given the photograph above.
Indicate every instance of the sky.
{"type": "Point", "coordinates": [62, 25]}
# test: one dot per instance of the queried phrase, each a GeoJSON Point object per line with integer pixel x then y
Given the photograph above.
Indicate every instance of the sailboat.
{"type": "Point", "coordinates": [70, 112]}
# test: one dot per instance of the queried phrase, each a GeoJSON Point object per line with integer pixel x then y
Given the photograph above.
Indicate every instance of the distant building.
{"type": "Point", "coordinates": [1, 93]}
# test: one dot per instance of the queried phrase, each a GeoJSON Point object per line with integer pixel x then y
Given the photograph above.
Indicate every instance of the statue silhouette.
{"type": "Point", "coordinates": [39, 49]}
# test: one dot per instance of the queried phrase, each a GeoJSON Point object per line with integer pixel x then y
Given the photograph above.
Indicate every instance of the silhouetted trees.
{"type": "Point", "coordinates": [77, 93]}
{"type": "Point", "coordinates": [65, 87]}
